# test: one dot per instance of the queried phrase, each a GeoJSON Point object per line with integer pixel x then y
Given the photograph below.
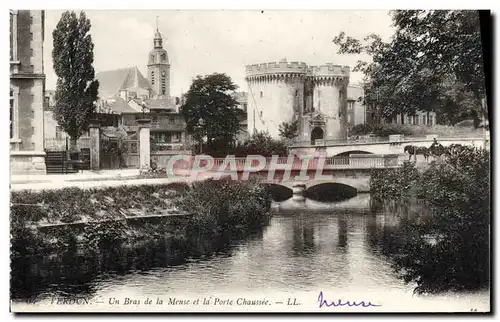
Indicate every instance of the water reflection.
{"type": "Point", "coordinates": [312, 249]}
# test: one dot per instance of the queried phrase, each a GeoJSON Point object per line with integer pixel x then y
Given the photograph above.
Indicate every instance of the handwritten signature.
{"type": "Point", "coordinates": [326, 303]}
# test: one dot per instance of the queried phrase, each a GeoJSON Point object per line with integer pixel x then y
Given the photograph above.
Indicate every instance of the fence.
{"type": "Point", "coordinates": [63, 144]}
{"type": "Point", "coordinates": [354, 161]}
{"type": "Point", "coordinates": [131, 153]}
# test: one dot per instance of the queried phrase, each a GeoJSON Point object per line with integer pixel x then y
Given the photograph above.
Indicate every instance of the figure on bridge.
{"type": "Point", "coordinates": [414, 150]}
{"type": "Point", "coordinates": [437, 149]}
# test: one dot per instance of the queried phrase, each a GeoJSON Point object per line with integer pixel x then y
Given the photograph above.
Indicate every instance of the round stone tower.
{"type": "Point", "coordinates": [326, 119]}
{"type": "Point", "coordinates": [275, 95]}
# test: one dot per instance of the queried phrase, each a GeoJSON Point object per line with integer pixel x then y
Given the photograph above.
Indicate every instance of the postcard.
{"type": "Point", "coordinates": [250, 161]}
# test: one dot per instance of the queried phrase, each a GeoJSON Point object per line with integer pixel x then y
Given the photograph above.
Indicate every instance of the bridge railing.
{"type": "Point", "coordinates": [354, 161]}
{"type": "Point", "coordinates": [402, 139]}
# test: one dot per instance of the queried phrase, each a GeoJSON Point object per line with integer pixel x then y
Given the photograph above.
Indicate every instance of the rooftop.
{"type": "Point", "coordinates": [111, 82]}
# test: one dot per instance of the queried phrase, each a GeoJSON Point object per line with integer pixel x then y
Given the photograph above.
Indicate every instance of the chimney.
{"type": "Point", "coordinates": [124, 95]}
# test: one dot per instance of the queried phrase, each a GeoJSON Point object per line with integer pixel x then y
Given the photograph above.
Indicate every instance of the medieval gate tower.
{"type": "Point", "coordinates": [315, 96]}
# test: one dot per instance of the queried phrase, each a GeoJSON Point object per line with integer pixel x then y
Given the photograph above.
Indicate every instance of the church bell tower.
{"type": "Point", "coordinates": [159, 68]}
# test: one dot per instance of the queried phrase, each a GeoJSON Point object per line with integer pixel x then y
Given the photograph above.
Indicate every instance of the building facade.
{"type": "Point", "coordinates": [314, 96]}
{"type": "Point", "coordinates": [129, 94]}
{"type": "Point", "coordinates": [27, 87]}
{"type": "Point", "coordinates": [356, 113]}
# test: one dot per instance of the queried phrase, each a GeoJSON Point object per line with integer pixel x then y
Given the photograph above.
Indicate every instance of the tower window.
{"type": "Point", "coordinates": [296, 93]}
{"type": "Point", "coordinates": [153, 58]}
{"type": "Point", "coordinates": [163, 85]}
{"type": "Point", "coordinates": [261, 94]}
{"type": "Point", "coordinates": [152, 77]}
{"type": "Point", "coordinates": [163, 58]}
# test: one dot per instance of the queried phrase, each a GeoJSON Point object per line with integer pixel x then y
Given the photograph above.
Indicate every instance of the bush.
{"type": "Point", "coordinates": [449, 249]}
{"type": "Point", "coordinates": [385, 130]}
{"type": "Point", "coordinates": [223, 206]}
{"type": "Point", "coordinates": [217, 207]}
{"type": "Point", "coordinates": [260, 143]}
{"type": "Point", "coordinates": [382, 130]}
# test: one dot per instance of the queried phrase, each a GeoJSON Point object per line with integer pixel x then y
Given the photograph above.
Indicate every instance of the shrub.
{"type": "Point", "coordinates": [260, 143]}
{"type": "Point", "coordinates": [223, 206]}
{"type": "Point", "coordinates": [448, 250]}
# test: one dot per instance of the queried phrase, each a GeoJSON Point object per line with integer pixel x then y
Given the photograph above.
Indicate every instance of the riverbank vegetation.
{"type": "Point", "coordinates": [446, 249]}
{"type": "Point", "coordinates": [384, 130]}
{"type": "Point", "coordinates": [48, 221]}
{"type": "Point", "coordinates": [260, 143]}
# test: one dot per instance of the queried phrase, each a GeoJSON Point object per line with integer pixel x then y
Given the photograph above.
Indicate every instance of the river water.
{"type": "Point", "coordinates": [314, 247]}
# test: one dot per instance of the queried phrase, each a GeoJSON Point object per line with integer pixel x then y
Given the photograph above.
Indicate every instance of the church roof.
{"type": "Point", "coordinates": [117, 105]}
{"type": "Point", "coordinates": [160, 103]}
{"type": "Point", "coordinates": [111, 82]}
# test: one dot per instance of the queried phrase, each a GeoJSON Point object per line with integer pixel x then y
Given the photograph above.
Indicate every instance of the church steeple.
{"type": "Point", "coordinates": [159, 67]}
{"type": "Point", "coordinates": [158, 41]}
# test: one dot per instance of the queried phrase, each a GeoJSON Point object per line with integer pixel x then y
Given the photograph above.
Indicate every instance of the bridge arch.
{"type": "Point", "coordinates": [330, 191]}
{"type": "Point", "coordinates": [278, 192]}
{"type": "Point", "coordinates": [347, 153]}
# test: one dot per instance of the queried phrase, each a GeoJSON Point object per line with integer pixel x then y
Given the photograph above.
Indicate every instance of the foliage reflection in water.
{"type": "Point", "coordinates": [309, 250]}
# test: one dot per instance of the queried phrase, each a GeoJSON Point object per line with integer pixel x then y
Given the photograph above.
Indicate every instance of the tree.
{"type": "Point", "coordinates": [210, 110]}
{"type": "Point", "coordinates": [433, 62]}
{"type": "Point", "coordinates": [76, 89]}
{"type": "Point", "coordinates": [289, 130]}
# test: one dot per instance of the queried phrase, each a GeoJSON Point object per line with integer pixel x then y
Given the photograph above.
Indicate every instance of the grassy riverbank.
{"type": "Point", "coordinates": [48, 221]}
{"type": "Point", "coordinates": [446, 248]}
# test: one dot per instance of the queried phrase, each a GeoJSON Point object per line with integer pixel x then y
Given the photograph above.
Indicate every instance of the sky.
{"type": "Point", "coordinates": [209, 41]}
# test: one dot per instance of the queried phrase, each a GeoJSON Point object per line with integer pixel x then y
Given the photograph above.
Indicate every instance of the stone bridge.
{"type": "Point", "coordinates": [380, 145]}
{"type": "Point", "coordinates": [344, 175]}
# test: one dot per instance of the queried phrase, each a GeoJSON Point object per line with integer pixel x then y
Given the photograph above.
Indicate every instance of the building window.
{"type": "Point", "coordinates": [14, 123]}
{"type": "Point", "coordinates": [13, 35]}
{"type": "Point", "coordinates": [176, 137]}
{"type": "Point", "coordinates": [415, 120]}
{"type": "Point", "coordinates": [11, 114]}
{"type": "Point", "coordinates": [430, 119]}
{"type": "Point", "coordinates": [261, 94]}
{"type": "Point", "coordinates": [152, 77]}
{"type": "Point", "coordinates": [163, 58]}
{"type": "Point", "coordinates": [350, 105]}
{"type": "Point", "coordinates": [423, 120]}
{"type": "Point", "coordinates": [297, 93]}
{"type": "Point", "coordinates": [152, 58]}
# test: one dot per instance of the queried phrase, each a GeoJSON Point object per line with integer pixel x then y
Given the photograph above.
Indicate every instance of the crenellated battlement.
{"type": "Point", "coordinates": [276, 68]}
{"type": "Point", "coordinates": [328, 70]}
{"type": "Point", "coordinates": [298, 68]}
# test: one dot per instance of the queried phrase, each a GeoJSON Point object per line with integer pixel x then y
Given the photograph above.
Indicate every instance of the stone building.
{"type": "Point", "coordinates": [314, 96]}
{"type": "Point", "coordinates": [27, 87]}
{"type": "Point", "coordinates": [127, 93]}
{"type": "Point", "coordinates": [356, 112]}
